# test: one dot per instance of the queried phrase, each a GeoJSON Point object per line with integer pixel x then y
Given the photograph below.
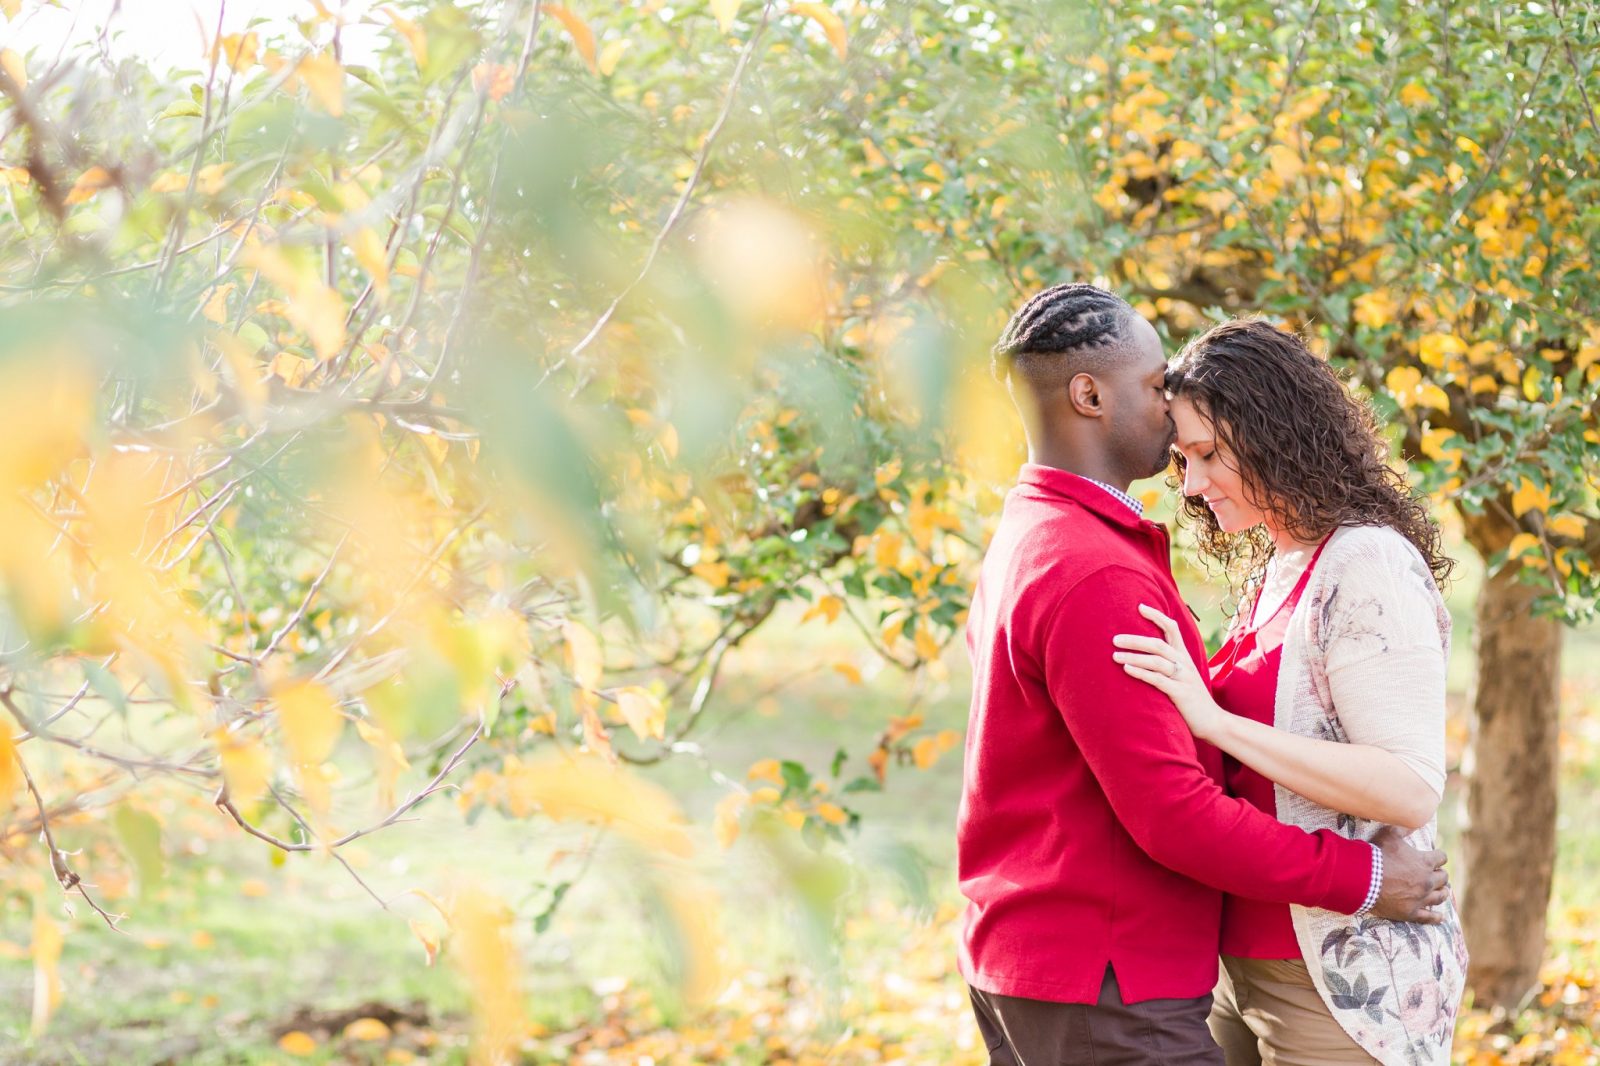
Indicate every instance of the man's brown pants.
{"type": "Point", "coordinates": [1157, 1032]}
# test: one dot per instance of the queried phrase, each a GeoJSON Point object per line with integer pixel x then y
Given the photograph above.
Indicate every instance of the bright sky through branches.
{"type": "Point", "coordinates": [171, 35]}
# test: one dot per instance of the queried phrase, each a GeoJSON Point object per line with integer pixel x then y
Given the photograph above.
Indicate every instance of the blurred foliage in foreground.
{"type": "Point", "coordinates": [444, 419]}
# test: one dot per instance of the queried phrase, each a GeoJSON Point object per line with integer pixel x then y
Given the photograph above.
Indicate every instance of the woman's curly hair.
{"type": "Point", "coordinates": [1308, 451]}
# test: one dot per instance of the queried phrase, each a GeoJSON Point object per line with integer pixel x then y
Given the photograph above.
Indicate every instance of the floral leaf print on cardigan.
{"type": "Point", "coordinates": [1372, 630]}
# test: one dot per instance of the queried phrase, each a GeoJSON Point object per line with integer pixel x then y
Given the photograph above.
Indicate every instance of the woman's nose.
{"type": "Point", "coordinates": [1193, 481]}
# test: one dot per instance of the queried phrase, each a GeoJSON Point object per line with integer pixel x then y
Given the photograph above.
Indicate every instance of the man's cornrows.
{"type": "Point", "coordinates": [1071, 317]}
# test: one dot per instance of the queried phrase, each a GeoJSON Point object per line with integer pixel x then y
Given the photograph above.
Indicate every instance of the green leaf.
{"type": "Point", "coordinates": [103, 682]}
{"type": "Point", "coordinates": [140, 836]}
{"type": "Point", "coordinates": [795, 776]}
{"type": "Point", "coordinates": [180, 109]}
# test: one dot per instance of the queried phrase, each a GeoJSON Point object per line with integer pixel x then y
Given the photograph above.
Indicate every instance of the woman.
{"type": "Point", "coordinates": [1328, 694]}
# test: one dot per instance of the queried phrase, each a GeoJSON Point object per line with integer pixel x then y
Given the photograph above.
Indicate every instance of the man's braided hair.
{"type": "Point", "coordinates": [1072, 317]}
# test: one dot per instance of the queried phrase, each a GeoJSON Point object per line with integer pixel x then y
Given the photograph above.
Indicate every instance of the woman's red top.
{"type": "Point", "coordinates": [1244, 681]}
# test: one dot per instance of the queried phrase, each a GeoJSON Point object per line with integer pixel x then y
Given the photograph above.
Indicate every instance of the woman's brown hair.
{"type": "Point", "coordinates": [1307, 450]}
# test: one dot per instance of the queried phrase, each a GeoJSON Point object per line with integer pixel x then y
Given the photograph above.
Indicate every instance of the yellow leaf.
{"type": "Point", "coordinates": [1567, 525]}
{"type": "Point", "coordinates": [240, 49]}
{"type": "Point", "coordinates": [725, 11]}
{"type": "Point", "coordinates": [319, 310]}
{"type": "Point", "coordinates": [295, 1042]}
{"type": "Point", "coordinates": [291, 369]}
{"type": "Point", "coordinates": [1285, 162]}
{"type": "Point", "coordinates": [596, 737]}
{"type": "Point", "coordinates": [209, 180]}
{"type": "Point", "coordinates": [714, 574]}
{"type": "Point", "coordinates": [1414, 95]}
{"type": "Point", "coordinates": [1430, 395]}
{"type": "Point", "coordinates": [582, 36]}
{"type": "Point", "coordinates": [369, 251]}
{"type": "Point", "coordinates": [765, 770]}
{"type": "Point", "coordinates": [10, 769]}
{"type": "Point", "coordinates": [495, 79]}
{"type": "Point", "coordinates": [1433, 443]}
{"type": "Point", "coordinates": [643, 711]}
{"type": "Point", "coordinates": [89, 182]}
{"type": "Point", "coordinates": [925, 753]}
{"type": "Point", "coordinates": [589, 790]}
{"type": "Point", "coordinates": [947, 739]}
{"type": "Point", "coordinates": [1402, 380]}
{"type": "Point", "coordinates": [415, 38]}
{"type": "Point", "coordinates": [313, 305]}
{"type": "Point", "coordinates": [1532, 383]}
{"type": "Point", "coordinates": [14, 66]}
{"type": "Point", "coordinates": [246, 766]}
{"type": "Point", "coordinates": [1530, 497]}
{"type": "Point", "coordinates": [927, 647]}
{"type": "Point", "coordinates": [391, 758]}
{"type": "Point", "coordinates": [366, 1029]}
{"type": "Point", "coordinates": [611, 55]}
{"type": "Point", "coordinates": [852, 674]}
{"type": "Point", "coordinates": [309, 720]}
{"type": "Point", "coordinates": [726, 822]}
{"type": "Point", "coordinates": [832, 814]}
{"type": "Point", "coordinates": [1433, 348]}
{"type": "Point", "coordinates": [766, 797]}
{"type": "Point", "coordinates": [583, 653]}
{"type": "Point", "coordinates": [429, 937]}
{"type": "Point", "coordinates": [1522, 544]}
{"type": "Point", "coordinates": [47, 941]}
{"type": "Point", "coordinates": [887, 545]}
{"type": "Point", "coordinates": [828, 607]}
{"type": "Point", "coordinates": [325, 78]}
{"type": "Point", "coordinates": [216, 305]}
{"type": "Point", "coordinates": [832, 25]}
{"type": "Point", "coordinates": [255, 888]}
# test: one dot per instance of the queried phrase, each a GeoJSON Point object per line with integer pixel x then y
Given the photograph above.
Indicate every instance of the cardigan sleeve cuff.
{"type": "Point", "coordinates": [1357, 876]}
{"type": "Point", "coordinates": [1376, 887]}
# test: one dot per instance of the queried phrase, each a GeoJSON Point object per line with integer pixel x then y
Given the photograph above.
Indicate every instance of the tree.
{"type": "Point", "coordinates": [1414, 186]}
{"type": "Point", "coordinates": [457, 409]}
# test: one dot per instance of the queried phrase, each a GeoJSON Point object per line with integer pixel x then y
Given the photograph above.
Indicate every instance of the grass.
{"type": "Point", "coordinates": [216, 962]}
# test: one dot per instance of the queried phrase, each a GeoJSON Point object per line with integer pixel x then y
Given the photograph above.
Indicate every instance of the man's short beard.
{"type": "Point", "coordinates": [1160, 460]}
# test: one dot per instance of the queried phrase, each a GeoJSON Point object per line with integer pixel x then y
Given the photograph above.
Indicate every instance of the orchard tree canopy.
{"type": "Point", "coordinates": [435, 394]}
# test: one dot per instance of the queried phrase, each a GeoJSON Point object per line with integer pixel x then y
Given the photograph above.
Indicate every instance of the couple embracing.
{"type": "Point", "coordinates": [1175, 857]}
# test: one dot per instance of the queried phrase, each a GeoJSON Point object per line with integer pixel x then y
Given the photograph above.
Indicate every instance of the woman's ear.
{"type": "Point", "coordinates": [1083, 391]}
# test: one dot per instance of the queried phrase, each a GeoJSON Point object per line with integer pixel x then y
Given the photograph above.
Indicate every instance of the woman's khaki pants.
{"type": "Point", "coordinates": [1266, 1012]}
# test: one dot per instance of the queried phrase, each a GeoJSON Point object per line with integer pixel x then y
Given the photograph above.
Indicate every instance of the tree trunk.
{"type": "Point", "coordinates": [1511, 767]}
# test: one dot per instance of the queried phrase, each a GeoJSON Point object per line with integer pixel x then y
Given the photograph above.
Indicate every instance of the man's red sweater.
{"type": "Point", "coordinates": [1093, 827]}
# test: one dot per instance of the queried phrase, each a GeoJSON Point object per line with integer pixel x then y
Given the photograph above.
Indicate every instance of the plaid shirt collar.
{"type": "Point", "coordinates": [1133, 505]}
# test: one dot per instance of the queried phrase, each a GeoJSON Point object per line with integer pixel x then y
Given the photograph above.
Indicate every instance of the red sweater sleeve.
{"type": "Point", "coordinates": [1142, 754]}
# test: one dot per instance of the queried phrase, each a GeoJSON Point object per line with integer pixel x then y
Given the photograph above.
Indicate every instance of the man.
{"type": "Point", "coordinates": [1094, 839]}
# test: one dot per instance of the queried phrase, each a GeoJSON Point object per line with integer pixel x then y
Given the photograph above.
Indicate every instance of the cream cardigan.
{"type": "Point", "coordinates": [1364, 663]}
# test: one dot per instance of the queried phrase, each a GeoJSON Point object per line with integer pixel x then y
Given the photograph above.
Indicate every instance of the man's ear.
{"type": "Point", "coordinates": [1083, 391]}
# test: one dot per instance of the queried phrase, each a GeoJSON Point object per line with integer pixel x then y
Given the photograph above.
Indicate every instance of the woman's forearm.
{"type": "Point", "coordinates": [1356, 779]}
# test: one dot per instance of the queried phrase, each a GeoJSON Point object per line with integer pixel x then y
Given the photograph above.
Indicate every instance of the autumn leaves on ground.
{"type": "Point", "coordinates": [491, 491]}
